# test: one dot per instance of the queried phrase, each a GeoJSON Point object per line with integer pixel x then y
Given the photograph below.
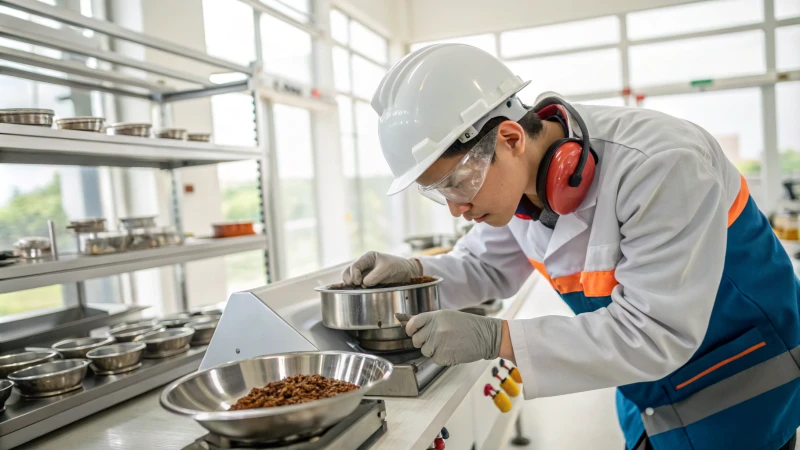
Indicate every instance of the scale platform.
{"type": "Point", "coordinates": [358, 431]}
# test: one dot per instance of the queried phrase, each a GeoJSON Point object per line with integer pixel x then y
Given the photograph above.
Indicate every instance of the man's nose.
{"type": "Point", "coordinates": [458, 209]}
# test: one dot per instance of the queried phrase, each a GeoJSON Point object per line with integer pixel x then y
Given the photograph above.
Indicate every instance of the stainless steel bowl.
{"type": "Point", "coordinates": [131, 223]}
{"type": "Point", "coordinates": [22, 360]}
{"type": "Point", "coordinates": [161, 344]}
{"type": "Point", "coordinates": [199, 137]}
{"type": "Point", "coordinates": [77, 348]}
{"type": "Point", "coordinates": [175, 320]}
{"type": "Point", "coordinates": [5, 392]}
{"type": "Point", "coordinates": [117, 358]}
{"type": "Point", "coordinates": [204, 328]}
{"type": "Point", "coordinates": [32, 247]}
{"type": "Point", "coordinates": [364, 309]}
{"type": "Point", "coordinates": [134, 332]}
{"type": "Point", "coordinates": [52, 378]}
{"type": "Point", "coordinates": [27, 116]}
{"type": "Point", "coordinates": [131, 129]}
{"type": "Point", "coordinates": [207, 395]}
{"type": "Point", "coordinates": [95, 124]}
{"type": "Point", "coordinates": [172, 133]}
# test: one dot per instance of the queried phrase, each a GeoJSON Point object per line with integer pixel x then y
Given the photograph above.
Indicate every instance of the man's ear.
{"type": "Point", "coordinates": [513, 136]}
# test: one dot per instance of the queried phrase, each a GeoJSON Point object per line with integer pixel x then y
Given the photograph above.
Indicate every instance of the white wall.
{"type": "Point", "coordinates": [439, 19]}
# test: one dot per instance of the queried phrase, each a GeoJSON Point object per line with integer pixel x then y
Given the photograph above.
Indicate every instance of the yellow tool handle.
{"type": "Point", "coordinates": [502, 402]}
{"type": "Point", "coordinates": [515, 375]}
{"type": "Point", "coordinates": [510, 387]}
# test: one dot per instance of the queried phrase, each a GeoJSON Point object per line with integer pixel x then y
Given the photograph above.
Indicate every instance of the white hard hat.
{"type": "Point", "coordinates": [434, 96]}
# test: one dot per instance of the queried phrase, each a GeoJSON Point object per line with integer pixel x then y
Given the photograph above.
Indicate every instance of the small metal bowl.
{"type": "Point", "coordinates": [175, 320]}
{"type": "Point", "coordinates": [161, 344]}
{"type": "Point", "coordinates": [172, 133]}
{"type": "Point", "coordinates": [77, 348]}
{"type": "Point", "coordinates": [22, 360]}
{"type": "Point", "coordinates": [94, 124]}
{"type": "Point", "coordinates": [117, 358]}
{"type": "Point", "coordinates": [27, 116]}
{"type": "Point", "coordinates": [204, 329]}
{"type": "Point", "coordinates": [88, 225]}
{"type": "Point", "coordinates": [5, 392]}
{"type": "Point", "coordinates": [52, 378]}
{"type": "Point", "coordinates": [199, 137]}
{"type": "Point", "coordinates": [134, 332]}
{"type": "Point", "coordinates": [131, 129]}
{"type": "Point", "coordinates": [32, 247]}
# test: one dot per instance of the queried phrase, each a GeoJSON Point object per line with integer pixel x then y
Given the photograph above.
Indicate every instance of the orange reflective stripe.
{"type": "Point", "coordinates": [592, 284]}
{"type": "Point", "coordinates": [568, 284]}
{"type": "Point", "coordinates": [598, 284]}
{"type": "Point", "coordinates": [739, 203]}
{"type": "Point", "coordinates": [720, 364]}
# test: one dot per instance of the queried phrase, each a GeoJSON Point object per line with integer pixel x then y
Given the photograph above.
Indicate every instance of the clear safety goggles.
{"type": "Point", "coordinates": [463, 182]}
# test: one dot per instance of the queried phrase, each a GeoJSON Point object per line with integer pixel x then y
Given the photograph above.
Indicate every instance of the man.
{"type": "Point", "coordinates": [684, 298]}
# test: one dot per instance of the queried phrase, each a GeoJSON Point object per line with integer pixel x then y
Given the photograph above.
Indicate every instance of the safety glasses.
{"type": "Point", "coordinates": [463, 182]}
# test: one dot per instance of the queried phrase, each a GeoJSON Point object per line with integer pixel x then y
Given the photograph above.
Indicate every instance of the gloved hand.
{"type": "Point", "coordinates": [380, 268]}
{"type": "Point", "coordinates": [454, 337]}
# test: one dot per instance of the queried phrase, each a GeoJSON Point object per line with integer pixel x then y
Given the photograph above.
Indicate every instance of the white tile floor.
{"type": "Point", "coordinates": [586, 420]}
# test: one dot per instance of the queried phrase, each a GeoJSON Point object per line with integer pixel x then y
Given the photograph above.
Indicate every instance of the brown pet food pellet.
{"type": "Point", "coordinates": [293, 390]}
{"type": "Point", "coordinates": [411, 282]}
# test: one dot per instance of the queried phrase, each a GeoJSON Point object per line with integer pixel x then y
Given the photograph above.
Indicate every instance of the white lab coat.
{"type": "Point", "coordinates": [655, 219]}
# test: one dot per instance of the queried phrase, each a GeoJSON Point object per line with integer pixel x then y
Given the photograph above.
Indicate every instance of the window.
{"type": "Point", "coordinates": [485, 42]}
{"type": "Point", "coordinates": [567, 74]}
{"type": "Point", "coordinates": [375, 219]}
{"type": "Point", "coordinates": [286, 50]}
{"type": "Point", "coordinates": [788, 109]}
{"type": "Point", "coordinates": [786, 9]}
{"type": "Point", "coordinates": [229, 30]}
{"type": "Point", "coordinates": [733, 117]}
{"type": "Point", "coordinates": [700, 16]}
{"type": "Point", "coordinates": [787, 48]}
{"type": "Point", "coordinates": [584, 33]}
{"type": "Point", "coordinates": [298, 10]}
{"type": "Point", "coordinates": [297, 189]}
{"type": "Point", "coordinates": [724, 55]}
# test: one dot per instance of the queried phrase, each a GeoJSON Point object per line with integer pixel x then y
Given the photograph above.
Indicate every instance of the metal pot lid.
{"type": "Point", "coordinates": [32, 242]}
{"type": "Point", "coordinates": [26, 111]}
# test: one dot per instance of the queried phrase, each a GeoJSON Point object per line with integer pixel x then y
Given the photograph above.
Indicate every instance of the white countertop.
{"type": "Point", "coordinates": [413, 423]}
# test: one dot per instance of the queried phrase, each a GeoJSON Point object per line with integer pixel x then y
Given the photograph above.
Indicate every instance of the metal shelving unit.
{"type": "Point", "coordinates": [36, 145]}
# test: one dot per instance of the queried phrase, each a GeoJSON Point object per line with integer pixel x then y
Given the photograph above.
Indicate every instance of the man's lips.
{"type": "Point", "coordinates": [479, 219]}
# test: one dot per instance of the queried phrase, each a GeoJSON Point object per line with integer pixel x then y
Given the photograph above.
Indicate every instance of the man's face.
{"type": "Point", "coordinates": [504, 185]}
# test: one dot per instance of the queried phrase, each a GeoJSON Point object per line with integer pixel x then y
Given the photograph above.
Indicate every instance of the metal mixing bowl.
{"type": "Point", "coordinates": [134, 332]}
{"type": "Point", "coordinates": [207, 395]}
{"type": "Point", "coordinates": [117, 358]}
{"type": "Point", "coordinates": [27, 116]}
{"type": "Point", "coordinates": [173, 341]}
{"type": "Point", "coordinates": [204, 328]}
{"type": "Point", "coordinates": [95, 124]}
{"type": "Point", "coordinates": [77, 348]}
{"type": "Point", "coordinates": [364, 309]}
{"type": "Point", "coordinates": [175, 320]}
{"type": "Point", "coordinates": [172, 133]}
{"type": "Point", "coordinates": [52, 378]}
{"type": "Point", "coordinates": [5, 392]}
{"type": "Point", "coordinates": [22, 360]}
{"type": "Point", "coordinates": [131, 129]}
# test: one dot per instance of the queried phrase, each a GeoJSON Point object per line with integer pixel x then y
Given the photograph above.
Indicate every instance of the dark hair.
{"type": "Point", "coordinates": [530, 122]}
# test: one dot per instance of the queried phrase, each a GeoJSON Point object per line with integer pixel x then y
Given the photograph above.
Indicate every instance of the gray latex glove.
{"type": "Point", "coordinates": [454, 337]}
{"type": "Point", "coordinates": [380, 268]}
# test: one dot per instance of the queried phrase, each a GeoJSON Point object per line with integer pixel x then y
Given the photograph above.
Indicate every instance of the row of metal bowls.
{"type": "Point", "coordinates": [44, 118]}
{"type": "Point", "coordinates": [41, 373]}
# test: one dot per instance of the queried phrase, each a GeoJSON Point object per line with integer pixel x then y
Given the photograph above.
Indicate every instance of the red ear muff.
{"type": "Point", "coordinates": [556, 168]}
